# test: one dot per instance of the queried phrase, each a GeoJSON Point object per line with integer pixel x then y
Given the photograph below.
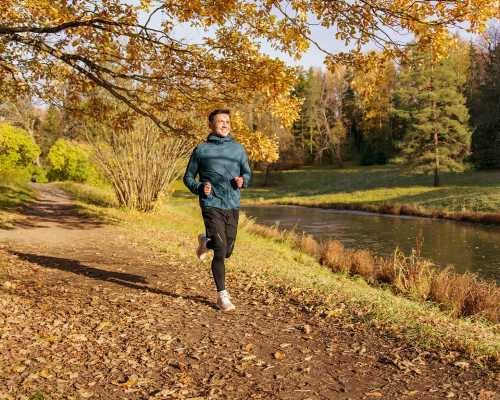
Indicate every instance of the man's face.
{"type": "Point", "coordinates": [220, 124]}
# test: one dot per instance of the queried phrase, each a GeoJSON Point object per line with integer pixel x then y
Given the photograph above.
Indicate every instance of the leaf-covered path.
{"type": "Point", "coordinates": [87, 312]}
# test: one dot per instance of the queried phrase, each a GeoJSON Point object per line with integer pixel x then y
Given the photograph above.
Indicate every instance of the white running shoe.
{"type": "Point", "coordinates": [224, 301]}
{"type": "Point", "coordinates": [202, 250]}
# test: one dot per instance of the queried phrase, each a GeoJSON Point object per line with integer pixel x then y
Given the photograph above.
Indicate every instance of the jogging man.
{"type": "Point", "coordinates": [222, 166]}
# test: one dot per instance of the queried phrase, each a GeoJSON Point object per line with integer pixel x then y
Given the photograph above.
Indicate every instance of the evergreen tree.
{"type": "Point", "coordinates": [300, 127]}
{"type": "Point", "coordinates": [352, 114]}
{"type": "Point", "coordinates": [428, 103]}
{"type": "Point", "coordinates": [483, 100]}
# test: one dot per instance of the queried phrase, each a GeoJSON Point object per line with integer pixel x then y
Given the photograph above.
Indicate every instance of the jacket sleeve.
{"type": "Point", "coordinates": [245, 171]}
{"type": "Point", "coordinates": [191, 172]}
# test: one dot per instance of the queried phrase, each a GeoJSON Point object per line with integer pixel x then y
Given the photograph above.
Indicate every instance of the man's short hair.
{"type": "Point", "coordinates": [218, 111]}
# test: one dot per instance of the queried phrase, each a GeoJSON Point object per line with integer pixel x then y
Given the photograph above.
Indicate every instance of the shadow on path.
{"type": "Point", "coordinates": [53, 207]}
{"type": "Point", "coordinates": [132, 281]}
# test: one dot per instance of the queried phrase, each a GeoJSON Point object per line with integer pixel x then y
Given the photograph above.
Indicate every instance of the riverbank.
{"type": "Point", "coordinates": [280, 267]}
{"type": "Point", "coordinates": [472, 196]}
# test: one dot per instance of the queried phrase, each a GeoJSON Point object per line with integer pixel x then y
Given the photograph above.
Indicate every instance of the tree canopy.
{"type": "Point", "coordinates": [63, 49]}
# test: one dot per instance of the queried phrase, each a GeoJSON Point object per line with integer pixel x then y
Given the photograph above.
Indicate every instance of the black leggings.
{"type": "Point", "coordinates": [221, 226]}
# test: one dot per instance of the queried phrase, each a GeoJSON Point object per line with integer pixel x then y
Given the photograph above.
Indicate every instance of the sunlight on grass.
{"type": "Point", "coordinates": [468, 191]}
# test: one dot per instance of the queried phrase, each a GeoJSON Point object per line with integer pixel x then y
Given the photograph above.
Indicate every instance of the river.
{"type": "Point", "coordinates": [469, 247]}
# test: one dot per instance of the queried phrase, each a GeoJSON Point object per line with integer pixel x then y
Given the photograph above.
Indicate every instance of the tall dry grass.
{"type": "Point", "coordinates": [411, 275]}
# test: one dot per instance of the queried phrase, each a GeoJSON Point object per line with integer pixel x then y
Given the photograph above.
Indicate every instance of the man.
{"type": "Point", "coordinates": [222, 166]}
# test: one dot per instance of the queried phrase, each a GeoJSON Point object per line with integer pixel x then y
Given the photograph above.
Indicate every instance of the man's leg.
{"type": "Point", "coordinates": [216, 233]}
{"type": "Point", "coordinates": [231, 230]}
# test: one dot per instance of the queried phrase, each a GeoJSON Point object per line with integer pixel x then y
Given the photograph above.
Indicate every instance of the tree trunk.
{"type": "Point", "coordinates": [268, 173]}
{"type": "Point", "coordinates": [436, 176]}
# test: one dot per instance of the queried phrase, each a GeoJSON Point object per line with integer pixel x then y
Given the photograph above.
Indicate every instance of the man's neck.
{"type": "Point", "coordinates": [221, 136]}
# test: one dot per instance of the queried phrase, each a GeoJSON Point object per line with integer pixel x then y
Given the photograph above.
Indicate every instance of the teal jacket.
{"type": "Point", "coordinates": [218, 160]}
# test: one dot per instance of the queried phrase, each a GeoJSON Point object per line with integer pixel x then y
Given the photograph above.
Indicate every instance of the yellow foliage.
{"type": "Point", "coordinates": [258, 146]}
{"type": "Point", "coordinates": [79, 46]}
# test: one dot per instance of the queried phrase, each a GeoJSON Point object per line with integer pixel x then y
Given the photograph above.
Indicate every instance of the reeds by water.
{"type": "Point", "coordinates": [463, 295]}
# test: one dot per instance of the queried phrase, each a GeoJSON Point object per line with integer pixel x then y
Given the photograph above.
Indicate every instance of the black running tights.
{"type": "Point", "coordinates": [221, 226]}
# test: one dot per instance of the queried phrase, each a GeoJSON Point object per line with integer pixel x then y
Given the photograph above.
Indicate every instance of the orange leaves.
{"type": "Point", "coordinates": [159, 75]}
{"type": "Point", "coordinates": [258, 146]}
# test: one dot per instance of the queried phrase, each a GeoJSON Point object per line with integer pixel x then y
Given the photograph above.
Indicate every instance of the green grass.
{"type": "Point", "coordinates": [467, 191]}
{"type": "Point", "coordinates": [276, 267]}
{"type": "Point", "coordinates": [100, 196]}
{"type": "Point", "coordinates": [14, 191]}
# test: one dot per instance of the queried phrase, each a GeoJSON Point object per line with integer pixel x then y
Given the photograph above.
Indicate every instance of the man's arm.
{"type": "Point", "coordinates": [245, 171]}
{"type": "Point", "coordinates": [191, 172]}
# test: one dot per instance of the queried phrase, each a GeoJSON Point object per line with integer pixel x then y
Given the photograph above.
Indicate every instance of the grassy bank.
{"type": "Point", "coordinates": [14, 192]}
{"type": "Point", "coordinates": [284, 270]}
{"type": "Point", "coordinates": [471, 196]}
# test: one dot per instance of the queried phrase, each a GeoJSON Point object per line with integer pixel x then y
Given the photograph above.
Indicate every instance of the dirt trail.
{"type": "Point", "coordinates": [87, 313]}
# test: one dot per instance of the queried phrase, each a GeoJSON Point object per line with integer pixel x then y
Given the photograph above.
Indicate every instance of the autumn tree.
{"type": "Point", "coordinates": [52, 127]}
{"type": "Point", "coordinates": [266, 136]}
{"type": "Point", "coordinates": [325, 113]}
{"type": "Point", "coordinates": [374, 90]}
{"type": "Point", "coordinates": [131, 51]}
{"type": "Point", "coordinates": [432, 112]}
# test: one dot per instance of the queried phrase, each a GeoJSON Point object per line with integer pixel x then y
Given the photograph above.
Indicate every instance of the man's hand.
{"type": "Point", "coordinates": [207, 188]}
{"type": "Point", "coordinates": [239, 181]}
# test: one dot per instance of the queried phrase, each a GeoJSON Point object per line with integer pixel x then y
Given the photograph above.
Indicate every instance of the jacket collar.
{"type": "Point", "coordinates": [219, 139]}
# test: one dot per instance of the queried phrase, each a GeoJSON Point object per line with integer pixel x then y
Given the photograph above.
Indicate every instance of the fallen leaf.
{"type": "Point", "coordinates": [79, 337]}
{"type": "Point", "coordinates": [374, 394]}
{"type": "Point", "coordinates": [248, 347]}
{"type": "Point", "coordinates": [85, 393]}
{"type": "Point", "coordinates": [462, 364]}
{"type": "Point", "coordinates": [279, 355]}
{"type": "Point", "coordinates": [45, 374]}
{"type": "Point", "coordinates": [19, 368]}
{"type": "Point", "coordinates": [104, 325]}
{"type": "Point", "coordinates": [131, 381]}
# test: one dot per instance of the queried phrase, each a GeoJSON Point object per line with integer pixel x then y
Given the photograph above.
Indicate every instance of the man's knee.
{"type": "Point", "coordinates": [229, 249]}
{"type": "Point", "coordinates": [219, 246]}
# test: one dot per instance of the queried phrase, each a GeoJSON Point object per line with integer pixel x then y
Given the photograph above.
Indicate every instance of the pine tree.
{"type": "Point", "coordinates": [431, 109]}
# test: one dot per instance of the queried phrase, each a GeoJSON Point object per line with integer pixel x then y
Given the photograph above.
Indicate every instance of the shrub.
{"type": "Point", "coordinates": [69, 161]}
{"type": "Point", "coordinates": [39, 175]}
{"type": "Point", "coordinates": [140, 162]}
{"type": "Point", "coordinates": [17, 148]}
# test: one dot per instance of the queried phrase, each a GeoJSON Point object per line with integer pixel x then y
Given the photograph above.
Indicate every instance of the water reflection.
{"type": "Point", "coordinates": [470, 247]}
